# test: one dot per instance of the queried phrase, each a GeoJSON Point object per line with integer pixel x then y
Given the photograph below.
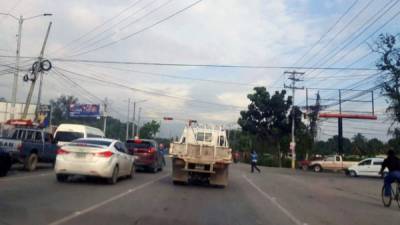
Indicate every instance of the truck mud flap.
{"type": "Point", "coordinates": [179, 175]}
{"type": "Point", "coordinates": [220, 177]}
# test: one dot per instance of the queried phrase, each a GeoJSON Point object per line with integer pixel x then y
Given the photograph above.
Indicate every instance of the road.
{"type": "Point", "coordinates": [276, 196]}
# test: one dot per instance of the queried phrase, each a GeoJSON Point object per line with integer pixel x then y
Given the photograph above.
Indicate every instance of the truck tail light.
{"type": "Point", "coordinates": [62, 152]}
{"type": "Point", "coordinates": [151, 150]}
{"type": "Point", "coordinates": [106, 154]}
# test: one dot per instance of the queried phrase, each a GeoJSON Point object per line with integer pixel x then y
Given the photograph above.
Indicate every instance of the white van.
{"type": "Point", "coordinates": [65, 133]}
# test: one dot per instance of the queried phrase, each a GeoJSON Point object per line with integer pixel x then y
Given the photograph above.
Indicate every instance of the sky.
{"type": "Point", "coordinates": [283, 33]}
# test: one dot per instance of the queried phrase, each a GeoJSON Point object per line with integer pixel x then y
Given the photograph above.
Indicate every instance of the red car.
{"type": "Point", "coordinates": [148, 154]}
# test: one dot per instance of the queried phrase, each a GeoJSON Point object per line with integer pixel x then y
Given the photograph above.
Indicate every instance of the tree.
{"type": "Point", "coordinates": [149, 129]}
{"type": "Point", "coordinates": [359, 145]}
{"type": "Point", "coordinates": [60, 108]}
{"type": "Point", "coordinates": [389, 62]}
{"type": "Point", "coordinates": [267, 117]}
{"type": "Point", "coordinates": [374, 146]}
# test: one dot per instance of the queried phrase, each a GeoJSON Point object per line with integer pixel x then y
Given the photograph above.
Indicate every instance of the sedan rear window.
{"type": "Point", "coordinates": [91, 142]}
{"type": "Point", "coordinates": [138, 144]}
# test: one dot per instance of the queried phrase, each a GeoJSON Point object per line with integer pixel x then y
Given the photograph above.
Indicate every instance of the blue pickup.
{"type": "Point", "coordinates": [30, 146]}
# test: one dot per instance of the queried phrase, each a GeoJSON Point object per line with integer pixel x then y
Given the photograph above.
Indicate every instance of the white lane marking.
{"type": "Point", "coordinates": [98, 205]}
{"type": "Point", "coordinates": [274, 201]}
{"type": "Point", "coordinates": [25, 177]}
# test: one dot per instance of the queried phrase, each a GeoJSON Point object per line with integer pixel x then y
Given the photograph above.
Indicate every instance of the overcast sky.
{"type": "Point", "coordinates": [234, 32]}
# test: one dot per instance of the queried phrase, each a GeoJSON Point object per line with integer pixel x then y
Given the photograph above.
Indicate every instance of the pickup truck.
{"type": "Point", "coordinates": [333, 162]}
{"type": "Point", "coordinates": [30, 146]}
{"type": "Point", "coordinates": [5, 162]}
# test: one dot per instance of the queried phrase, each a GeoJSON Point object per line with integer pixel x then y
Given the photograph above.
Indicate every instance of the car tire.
{"type": "Point", "coordinates": [154, 169]}
{"type": "Point", "coordinates": [62, 178]}
{"type": "Point", "coordinates": [317, 168]}
{"type": "Point", "coordinates": [132, 174]}
{"type": "Point", "coordinates": [114, 178]}
{"type": "Point", "coordinates": [304, 167]}
{"type": "Point", "coordinates": [352, 173]}
{"type": "Point", "coordinates": [31, 162]}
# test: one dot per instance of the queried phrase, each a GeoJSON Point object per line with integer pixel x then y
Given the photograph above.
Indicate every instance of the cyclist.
{"type": "Point", "coordinates": [393, 164]}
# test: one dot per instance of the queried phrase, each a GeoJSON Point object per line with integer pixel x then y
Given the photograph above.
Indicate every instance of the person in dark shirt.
{"type": "Point", "coordinates": [393, 165]}
{"type": "Point", "coordinates": [254, 158]}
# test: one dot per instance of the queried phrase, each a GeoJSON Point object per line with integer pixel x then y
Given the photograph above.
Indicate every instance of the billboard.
{"type": "Point", "coordinates": [43, 118]}
{"type": "Point", "coordinates": [84, 110]}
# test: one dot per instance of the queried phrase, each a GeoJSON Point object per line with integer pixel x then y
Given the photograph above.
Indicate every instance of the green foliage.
{"type": "Point", "coordinates": [266, 125]}
{"type": "Point", "coordinates": [389, 63]}
{"type": "Point", "coordinates": [149, 129]}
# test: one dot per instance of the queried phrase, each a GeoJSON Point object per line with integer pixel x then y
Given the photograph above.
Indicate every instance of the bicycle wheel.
{"type": "Point", "coordinates": [386, 200]}
{"type": "Point", "coordinates": [398, 194]}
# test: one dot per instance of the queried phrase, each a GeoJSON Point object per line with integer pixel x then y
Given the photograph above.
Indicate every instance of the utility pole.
{"type": "Point", "coordinates": [20, 20]}
{"type": "Point", "coordinates": [293, 76]}
{"type": "Point", "coordinates": [138, 123]}
{"type": "Point", "coordinates": [133, 119]}
{"type": "Point", "coordinates": [127, 120]}
{"type": "Point", "coordinates": [105, 116]}
{"type": "Point", "coordinates": [35, 73]}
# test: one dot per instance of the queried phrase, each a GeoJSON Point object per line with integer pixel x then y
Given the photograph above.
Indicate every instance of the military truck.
{"type": "Point", "coordinates": [202, 154]}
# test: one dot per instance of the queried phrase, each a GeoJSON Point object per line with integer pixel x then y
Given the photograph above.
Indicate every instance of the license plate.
{"type": "Point", "coordinates": [199, 167]}
{"type": "Point", "coordinates": [80, 155]}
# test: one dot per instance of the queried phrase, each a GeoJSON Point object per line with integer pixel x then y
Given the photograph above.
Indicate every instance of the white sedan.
{"type": "Point", "coordinates": [367, 167]}
{"type": "Point", "coordinates": [99, 157]}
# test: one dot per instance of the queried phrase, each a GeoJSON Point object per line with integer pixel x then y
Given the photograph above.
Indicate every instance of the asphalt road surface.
{"type": "Point", "coordinates": [276, 196]}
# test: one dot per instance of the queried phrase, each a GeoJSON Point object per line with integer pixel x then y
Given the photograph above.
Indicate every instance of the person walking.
{"type": "Point", "coordinates": [162, 151]}
{"type": "Point", "coordinates": [254, 158]}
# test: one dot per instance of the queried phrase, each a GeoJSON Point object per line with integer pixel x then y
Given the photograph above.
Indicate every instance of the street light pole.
{"type": "Point", "coordinates": [133, 119]}
{"type": "Point", "coordinates": [16, 73]}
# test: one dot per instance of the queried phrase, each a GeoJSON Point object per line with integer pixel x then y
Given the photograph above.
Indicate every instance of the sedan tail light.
{"type": "Point", "coordinates": [106, 154]}
{"type": "Point", "coordinates": [62, 152]}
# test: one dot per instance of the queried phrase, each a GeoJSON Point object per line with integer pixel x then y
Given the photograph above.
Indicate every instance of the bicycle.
{"type": "Point", "coordinates": [395, 195]}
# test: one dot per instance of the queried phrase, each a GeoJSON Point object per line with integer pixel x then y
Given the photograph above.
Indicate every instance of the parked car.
{"type": "Point", "coordinates": [98, 157]}
{"type": "Point", "coordinates": [5, 162]}
{"type": "Point", "coordinates": [148, 154]}
{"type": "Point", "coordinates": [333, 162]}
{"type": "Point", "coordinates": [30, 146]}
{"type": "Point", "coordinates": [367, 167]}
{"type": "Point", "coordinates": [65, 133]}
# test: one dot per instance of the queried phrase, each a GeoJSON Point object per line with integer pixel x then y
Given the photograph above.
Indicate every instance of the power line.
{"type": "Point", "coordinates": [205, 65]}
{"type": "Point", "coordinates": [93, 39]}
{"type": "Point", "coordinates": [151, 92]}
{"type": "Point", "coordinates": [98, 26]}
{"type": "Point", "coordinates": [140, 30]}
{"type": "Point", "coordinates": [327, 32]}
{"type": "Point", "coordinates": [184, 77]}
{"type": "Point", "coordinates": [337, 51]}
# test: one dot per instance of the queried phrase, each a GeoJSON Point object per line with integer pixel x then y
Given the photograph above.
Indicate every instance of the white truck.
{"type": "Point", "coordinates": [332, 162]}
{"type": "Point", "coordinates": [201, 154]}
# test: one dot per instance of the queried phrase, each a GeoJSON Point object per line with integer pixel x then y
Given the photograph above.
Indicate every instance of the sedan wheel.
{"type": "Point", "coordinates": [114, 178]}
{"type": "Point", "coordinates": [132, 174]}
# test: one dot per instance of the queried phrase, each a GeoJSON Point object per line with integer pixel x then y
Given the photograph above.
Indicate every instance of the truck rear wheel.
{"type": "Point", "coordinates": [31, 162]}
